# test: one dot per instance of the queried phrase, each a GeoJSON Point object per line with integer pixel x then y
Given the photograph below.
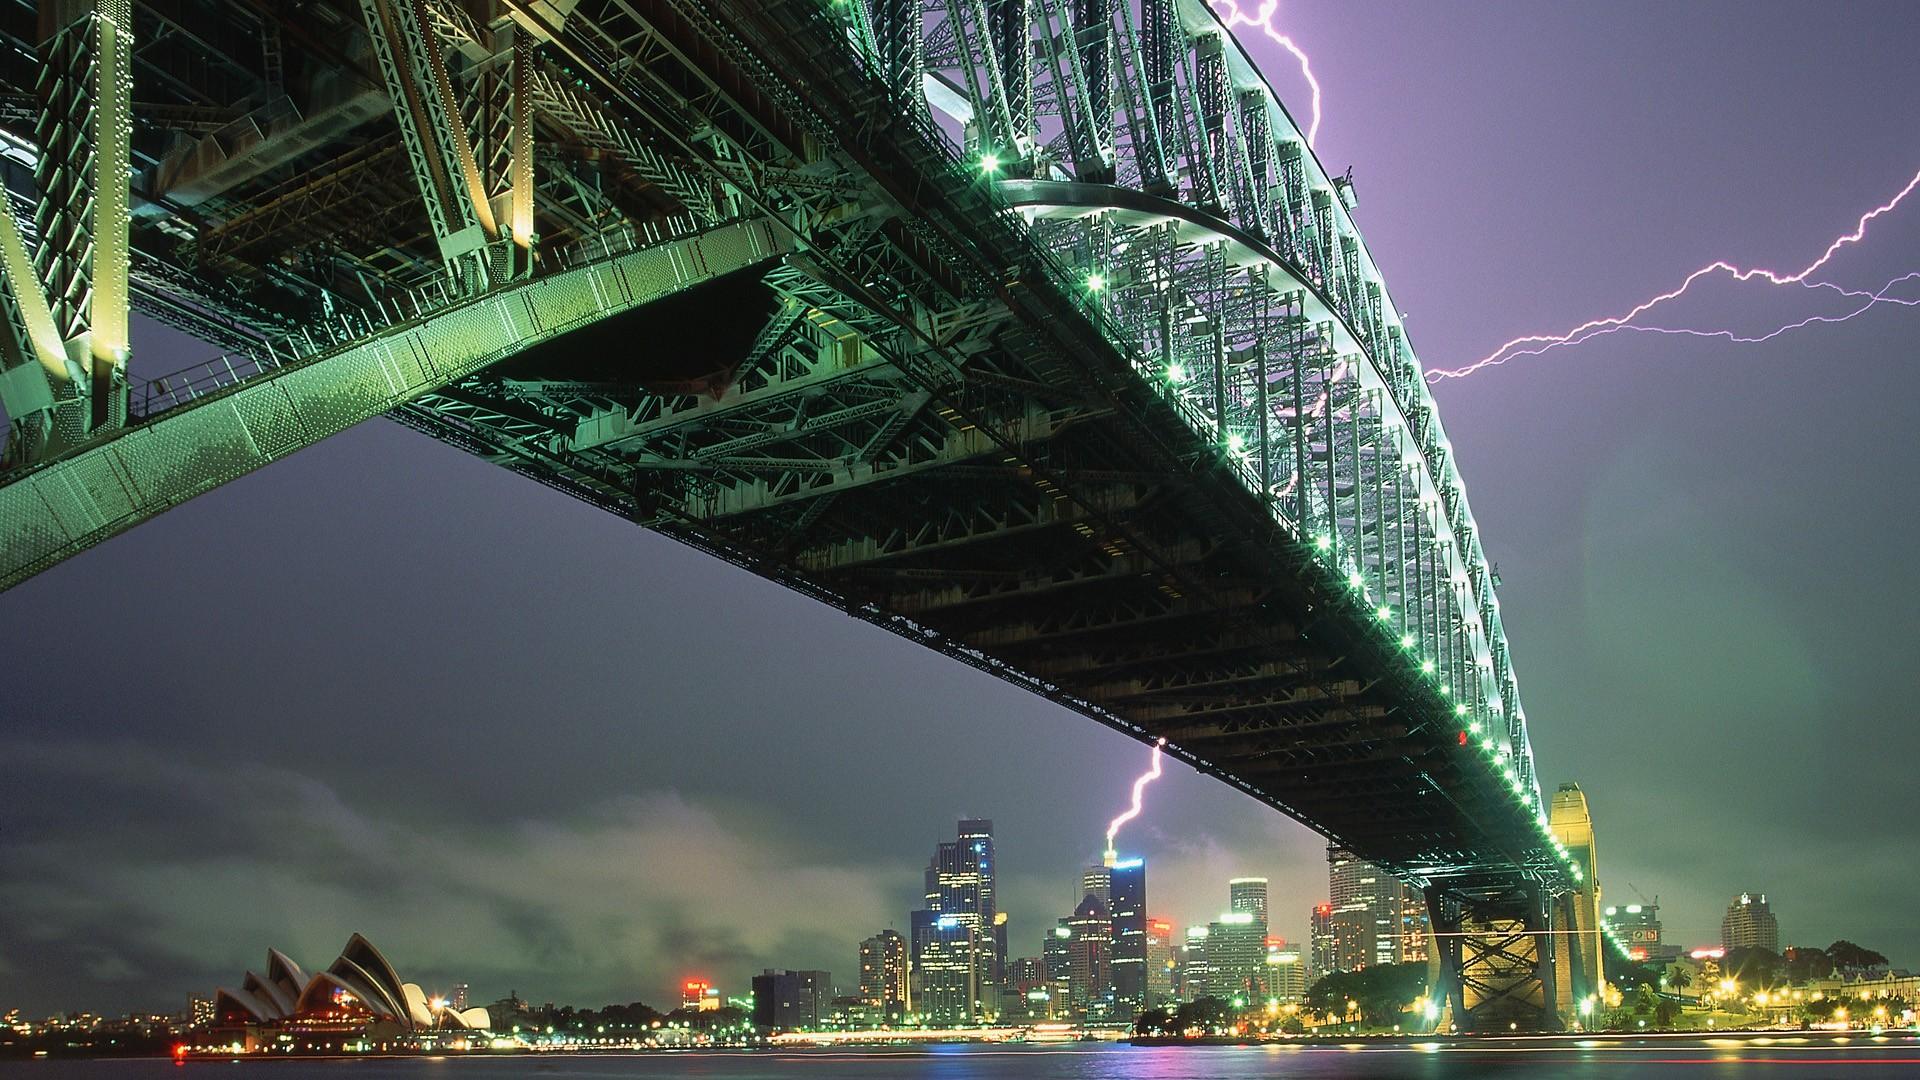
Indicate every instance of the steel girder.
{"type": "Point", "coordinates": [1091, 444]}
{"type": "Point", "coordinates": [62, 508]}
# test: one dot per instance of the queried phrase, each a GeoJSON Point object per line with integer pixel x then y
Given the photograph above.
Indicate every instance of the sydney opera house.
{"type": "Point", "coordinates": [358, 998]}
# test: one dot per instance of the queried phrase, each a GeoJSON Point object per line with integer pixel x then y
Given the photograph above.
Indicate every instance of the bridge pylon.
{"type": "Point", "coordinates": [1490, 968]}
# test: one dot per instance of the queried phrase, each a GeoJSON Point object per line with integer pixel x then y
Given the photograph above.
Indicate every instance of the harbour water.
{"type": "Point", "coordinates": [1813, 1055]}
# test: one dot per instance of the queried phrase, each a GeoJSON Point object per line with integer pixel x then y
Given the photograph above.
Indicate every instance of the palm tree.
{"type": "Point", "coordinates": [1679, 979]}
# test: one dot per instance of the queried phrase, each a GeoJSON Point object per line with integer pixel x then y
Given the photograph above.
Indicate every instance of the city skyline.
{"type": "Point", "coordinates": [518, 714]}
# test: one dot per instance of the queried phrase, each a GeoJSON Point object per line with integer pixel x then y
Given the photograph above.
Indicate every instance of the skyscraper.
{"type": "Point", "coordinates": [1367, 909]}
{"type": "Point", "coordinates": [947, 991]}
{"type": "Point", "coordinates": [959, 917]}
{"type": "Point", "coordinates": [1056, 966]}
{"type": "Point", "coordinates": [1196, 975]}
{"type": "Point", "coordinates": [1162, 963]}
{"type": "Point", "coordinates": [1237, 957]}
{"type": "Point", "coordinates": [1128, 911]}
{"type": "Point", "coordinates": [883, 973]}
{"type": "Point", "coordinates": [1323, 944]}
{"type": "Point", "coordinates": [1414, 924]}
{"type": "Point", "coordinates": [1248, 894]}
{"type": "Point", "coordinates": [1286, 973]}
{"type": "Point", "coordinates": [1097, 880]}
{"type": "Point", "coordinates": [1750, 924]}
{"type": "Point", "coordinates": [1090, 961]}
{"type": "Point", "coordinates": [1639, 926]}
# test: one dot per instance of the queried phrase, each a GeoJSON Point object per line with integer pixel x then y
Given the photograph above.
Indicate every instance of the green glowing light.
{"type": "Point", "coordinates": [989, 163]}
{"type": "Point", "coordinates": [1322, 542]}
{"type": "Point", "coordinates": [1354, 579]}
{"type": "Point", "coordinates": [1474, 727]}
{"type": "Point", "coordinates": [1096, 282]}
{"type": "Point", "coordinates": [1383, 613]}
{"type": "Point", "coordinates": [1176, 373]}
{"type": "Point", "coordinates": [1406, 641]}
{"type": "Point", "coordinates": [1459, 710]}
{"type": "Point", "coordinates": [1235, 443]}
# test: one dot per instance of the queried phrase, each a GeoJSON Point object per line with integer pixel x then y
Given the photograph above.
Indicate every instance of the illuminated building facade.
{"type": "Point", "coordinates": [1286, 981]}
{"type": "Point", "coordinates": [358, 998]}
{"type": "Point", "coordinates": [1414, 926]}
{"type": "Point", "coordinates": [884, 968]}
{"type": "Point", "coordinates": [1248, 894]}
{"type": "Point", "coordinates": [1056, 964]}
{"type": "Point", "coordinates": [1195, 971]}
{"type": "Point", "coordinates": [1163, 966]}
{"type": "Point", "coordinates": [1323, 944]}
{"type": "Point", "coordinates": [1750, 924]}
{"type": "Point", "coordinates": [792, 1000]}
{"type": "Point", "coordinates": [946, 988]}
{"type": "Point", "coordinates": [1128, 912]}
{"type": "Point", "coordinates": [1638, 926]}
{"type": "Point", "coordinates": [1368, 908]}
{"type": "Point", "coordinates": [1090, 961]}
{"type": "Point", "coordinates": [957, 938]}
{"type": "Point", "coordinates": [1237, 957]}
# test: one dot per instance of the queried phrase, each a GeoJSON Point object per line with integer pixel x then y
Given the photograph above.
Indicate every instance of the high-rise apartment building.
{"type": "Point", "coordinates": [1248, 894]}
{"type": "Point", "coordinates": [1414, 924]}
{"type": "Point", "coordinates": [1056, 965]}
{"type": "Point", "coordinates": [1097, 880]}
{"type": "Point", "coordinates": [1750, 924]}
{"type": "Point", "coordinates": [1128, 913]}
{"type": "Point", "coordinates": [883, 973]}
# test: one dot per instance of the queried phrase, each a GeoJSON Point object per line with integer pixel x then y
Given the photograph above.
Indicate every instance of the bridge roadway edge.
{"type": "Point", "coordinates": [60, 509]}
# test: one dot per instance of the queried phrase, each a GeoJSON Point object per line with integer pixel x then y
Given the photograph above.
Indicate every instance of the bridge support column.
{"type": "Point", "coordinates": [1490, 968]}
{"type": "Point", "coordinates": [66, 304]}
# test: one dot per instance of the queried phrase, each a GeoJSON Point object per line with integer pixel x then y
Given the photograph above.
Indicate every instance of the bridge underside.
{"type": "Point", "coordinates": [1154, 446]}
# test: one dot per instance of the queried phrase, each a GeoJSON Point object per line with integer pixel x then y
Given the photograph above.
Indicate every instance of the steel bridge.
{"type": "Point", "coordinates": [1030, 330]}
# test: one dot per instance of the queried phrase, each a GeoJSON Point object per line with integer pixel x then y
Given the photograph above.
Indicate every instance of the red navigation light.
{"type": "Point", "coordinates": [1463, 738]}
{"type": "Point", "coordinates": [179, 1052]}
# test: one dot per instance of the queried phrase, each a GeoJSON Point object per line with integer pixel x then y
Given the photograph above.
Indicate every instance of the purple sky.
{"type": "Point", "coordinates": [384, 686]}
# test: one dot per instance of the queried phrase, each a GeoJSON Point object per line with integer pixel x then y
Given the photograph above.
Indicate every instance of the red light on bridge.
{"type": "Point", "coordinates": [1463, 738]}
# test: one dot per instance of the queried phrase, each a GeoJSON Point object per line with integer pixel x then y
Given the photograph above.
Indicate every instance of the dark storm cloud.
{"type": "Point", "coordinates": [383, 686]}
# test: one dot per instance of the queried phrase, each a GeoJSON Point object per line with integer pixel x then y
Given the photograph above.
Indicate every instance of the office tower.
{"type": "Point", "coordinates": [1323, 944]}
{"type": "Point", "coordinates": [1162, 963]}
{"type": "Point", "coordinates": [1237, 957]}
{"type": "Point", "coordinates": [1367, 909]}
{"type": "Point", "coordinates": [792, 1000]}
{"type": "Point", "coordinates": [1750, 924]}
{"type": "Point", "coordinates": [1129, 929]}
{"type": "Point", "coordinates": [1248, 894]}
{"type": "Point", "coordinates": [1286, 973]}
{"type": "Point", "coordinates": [947, 991]}
{"type": "Point", "coordinates": [883, 973]}
{"type": "Point", "coordinates": [1195, 982]}
{"type": "Point", "coordinates": [1056, 965]}
{"type": "Point", "coordinates": [1090, 961]}
{"type": "Point", "coordinates": [1097, 880]}
{"type": "Point", "coordinates": [1414, 924]}
{"type": "Point", "coordinates": [1639, 926]}
{"type": "Point", "coordinates": [959, 893]}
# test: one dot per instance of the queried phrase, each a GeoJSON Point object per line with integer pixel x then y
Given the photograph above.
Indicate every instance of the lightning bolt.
{"type": "Point", "coordinates": [1139, 790]}
{"type": "Point", "coordinates": [1263, 18]}
{"type": "Point", "coordinates": [1613, 324]}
